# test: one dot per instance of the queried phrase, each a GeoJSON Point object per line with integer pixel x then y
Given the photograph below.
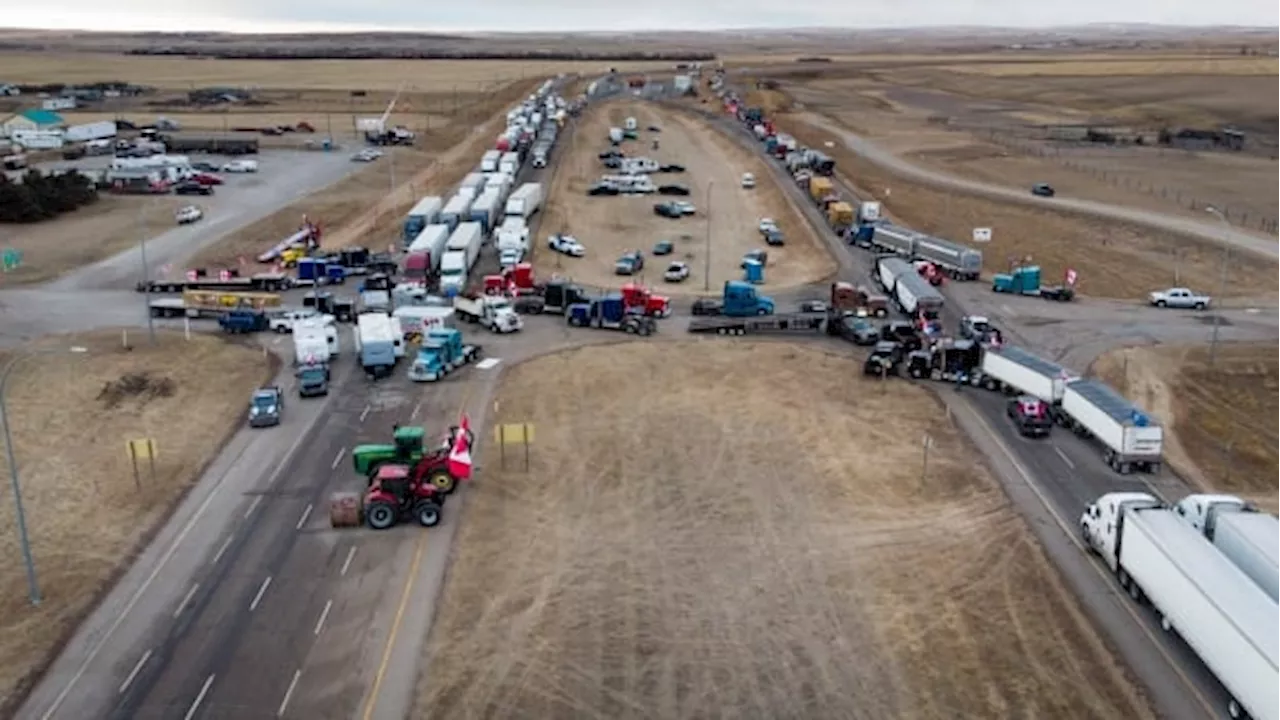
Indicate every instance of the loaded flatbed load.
{"type": "Point", "coordinates": [268, 282]}
{"type": "Point", "coordinates": [212, 303]}
{"type": "Point", "coordinates": [794, 323]}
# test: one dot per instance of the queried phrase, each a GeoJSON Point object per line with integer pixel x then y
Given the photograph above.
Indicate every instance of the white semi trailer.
{"type": "Point", "coordinates": [1226, 619]}
{"type": "Point", "coordinates": [1131, 439]}
{"type": "Point", "coordinates": [1015, 369]}
{"type": "Point", "coordinates": [1249, 538]}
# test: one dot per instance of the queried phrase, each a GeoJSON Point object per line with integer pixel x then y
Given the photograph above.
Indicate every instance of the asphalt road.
{"type": "Point", "coordinates": [1052, 480]}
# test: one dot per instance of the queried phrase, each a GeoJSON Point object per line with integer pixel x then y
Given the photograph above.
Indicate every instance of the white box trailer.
{"type": "Point", "coordinates": [888, 269]}
{"type": "Point", "coordinates": [431, 241]}
{"type": "Point", "coordinates": [916, 296]}
{"type": "Point", "coordinates": [418, 319]}
{"type": "Point", "coordinates": [525, 201]}
{"type": "Point", "coordinates": [959, 261]}
{"type": "Point", "coordinates": [472, 180]}
{"type": "Point", "coordinates": [485, 209]}
{"type": "Point", "coordinates": [489, 161]}
{"type": "Point", "coordinates": [91, 131]}
{"type": "Point", "coordinates": [1013, 368]}
{"type": "Point", "coordinates": [1131, 439]}
{"type": "Point", "coordinates": [1249, 538]}
{"type": "Point", "coordinates": [1230, 623]}
{"type": "Point", "coordinates": [456, 210]}
{"type": "Point", "coordinates": [466, 240]}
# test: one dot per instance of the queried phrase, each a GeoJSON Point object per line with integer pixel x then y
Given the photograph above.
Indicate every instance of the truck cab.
{"type": "Point", "coordinates": [1202, 511]}
{"type": "Point", "coordinates": [242, 321]}
{"type": "Point", "coordinates": [1101, 522]}
{"type": "Point", "coordinates": [741, 300]}
{"type": "Point", "coordinates": [442, 352]}
{"type": "Point", "coordinates": [1024, 280]}
{"type": "Point", "coordinates": [560, 294]}
{"type": "Point", "coordinates": [313, 380]}
{"type": "Point", "coordinates": [885, 359]}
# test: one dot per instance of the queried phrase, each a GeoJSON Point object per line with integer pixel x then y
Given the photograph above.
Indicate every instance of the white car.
{"type": "Point", "coordinates": [566, 245]}
{"type": "Point", "coordinates": [241, 166]}
{"type": "Point", "coordinates": [283, 321]}
{"type": "Point", "coordinates": [748, 180]}
{"type": "Point", "coordinates": [676, 272]}
{"type": "Point", "coordinates": [686, 208]}
{"type": "Point", "coordinates": [767, 225]}
{"type": "Point", "coordinates": [368, 155]}
{"type": "Point", "coordinates": [188, 214]}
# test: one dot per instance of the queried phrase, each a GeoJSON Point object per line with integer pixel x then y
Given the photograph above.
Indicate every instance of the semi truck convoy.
{"type": "Point", "coordinates": [456, 210]}
{"type": "Point", "coordinates": [525, 201]}
{"type": "Point", "coordinates": [425, 212]}
{"type": "Point", "coordinates": [1014, 369]}
{"type": "Point", "coordinates": [1226, 619]}
{"type": "Point", "coordinates": [1130, 438]}
{"type": "Point", "coordinates": [958, 261]}
{"type": "Point", "coordinates": [459, 257]}
{"type": "Point", "coordinates": [486, 208]}
{"type": "Point", "coordinates": [1249, 538]}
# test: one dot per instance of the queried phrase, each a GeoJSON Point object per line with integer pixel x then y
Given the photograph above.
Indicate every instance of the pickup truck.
{"type": "Point", "coordinates": [1178, 298]}
{"type": "Point", "coordinates": [313, 380]}
{"type": "Point", "coordinates": [265, 407]}
{"type": "Point", "coordinates": [242, 321]}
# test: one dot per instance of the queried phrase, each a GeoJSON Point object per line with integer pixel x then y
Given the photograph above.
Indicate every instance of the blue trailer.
{"type": "Point", "coordinates": [609, 313]}
{"type": "Point", "coordinates": [425, 212]}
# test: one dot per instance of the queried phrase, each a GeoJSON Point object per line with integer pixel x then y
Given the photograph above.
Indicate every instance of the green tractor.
{"type": "Point", "coordinates": [408, 447]}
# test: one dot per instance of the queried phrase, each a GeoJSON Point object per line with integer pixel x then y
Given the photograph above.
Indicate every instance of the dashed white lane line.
{"type": "Point", "coordinates": [195, 704]}
{"type": "Point", "coordinates": [324, 615]}
{"type": "Point", "coordinates": [1064, 457]}
{"type": "Point", "coordinates": [416, 409]}
{"type": "Point", "coordinates": [337, 459]}
{"type": "Point", "coordinates": [133, 674]}
{"type": "Point", "coordinates": [303, 520]}
{"type": "Point", "coordinates": [346, 564]}
{"type": "Point", "coordinates": [261, 591]}
{"type": "Point", "coordinates": [186, 599]}
{"type": "Point", "coordinates": [223, 549]}
{"type": "Point", "coordinates": [288, 693]}
{"type": "Point", "coordinates": [364, 413]}
{"type": "Point", "coordinates": [252, 506]}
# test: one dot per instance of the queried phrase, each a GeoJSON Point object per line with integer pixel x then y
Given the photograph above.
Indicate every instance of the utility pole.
{"type": "Point", "coordinates": [1222, 288]}
{"type": "Point", "coordinates": [706, 267]}
{"type": "Point", "coordinates": [146, 273]}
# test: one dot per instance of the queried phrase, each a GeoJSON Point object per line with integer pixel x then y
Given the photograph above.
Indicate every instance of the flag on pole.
{"type": "Point", "coordinates": [460, 456]}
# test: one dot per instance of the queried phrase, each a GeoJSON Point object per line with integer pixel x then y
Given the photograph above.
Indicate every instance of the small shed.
{"type": "Point", "coordinates": [33, 120]}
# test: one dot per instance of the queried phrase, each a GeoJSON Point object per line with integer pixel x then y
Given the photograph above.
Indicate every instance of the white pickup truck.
{"type": "Point", "coordinates": [1179, 298]}
{"type": "Point", "coordinates": [493, 312]}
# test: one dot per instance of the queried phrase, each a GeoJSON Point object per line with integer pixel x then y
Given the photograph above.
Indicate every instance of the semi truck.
{"type": "Point", "coordinates": [1225, 618]}
{"type": "Point", "coordinates": [459, 257]}
{"type": "Point", "coordinates": [489, 161]}
{"type": "Point", "coordinates": [456, 210]}
{"type": "Point", "coordinates": [609, 313]}
{"type": "Point", "coordinates": [916, 296]}
{"type": "Point", "coordinates": [1131, 439]}
{"type": "Point", "coordinates": [510, 163]}
{"type": "Point", "coordinates": [228, 281]}
{"type": "Point", "coordinates": [1249, 538]}
{"type": "Point", "coordinates": [425, 212]}
{"type": "Point", "coordinates": [1015, 370]}
{"type": "Point", "coordinates": [212, 303]}
{"type": "Point", "coordinates": [889, 269]}
{"type": "Point", "coordinates": [378, 343]}
{"type": "Point", "coordinates": [466, 239]}
{"type": "Point", "coordinates": [314, 343]}
{"type": "Point", "coordinates": [423, 259]}
{"type": "Point", "coordinates": [897, 240]}
{"type": "Point", "coordinates": [958, 261]}
{"type": "Point", "coordinates": [493, 312]}
{"type": "Point", "coordinates": [242, 144]}
{"type": "Point", "coordinates": [473, 181]}
{"type": "Point", "coordinates": [485, 209]}
{"type": "Point", "coordinates": [525, 201]}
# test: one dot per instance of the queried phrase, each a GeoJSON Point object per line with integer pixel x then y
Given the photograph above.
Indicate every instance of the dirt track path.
{"type": "Point", "coordinates": [1209, 229]}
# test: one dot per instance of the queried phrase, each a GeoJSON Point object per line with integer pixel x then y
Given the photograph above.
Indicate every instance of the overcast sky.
{"type": "Point", "coordinates": [560, 15]}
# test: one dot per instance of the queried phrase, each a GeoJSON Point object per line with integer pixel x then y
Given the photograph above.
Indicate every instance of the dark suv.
{"type": "Point", "coordinates": [1031, 415]}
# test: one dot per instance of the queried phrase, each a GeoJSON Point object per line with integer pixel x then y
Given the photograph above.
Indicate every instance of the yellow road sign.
{"type": "Point", "coordinates": [514, 434]}
{"type": "Point", "coordinates": [141, 449]}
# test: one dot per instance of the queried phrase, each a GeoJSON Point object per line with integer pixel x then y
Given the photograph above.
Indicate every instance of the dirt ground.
{"type": "Point", "coordinates": [1113, 260]}
{"type": "Point", "coordinates": [1223, 435]}
{"type": "Point", "coordinates": [726, 220]}
{"type": "Point", "coordinates": [681, 548]}
{"type": "Point", "coordinates": [113, 224]}
{"type": "Point", "coordinates": [73, 414]}
{"type": "Point", "coordinates": [361, 209]}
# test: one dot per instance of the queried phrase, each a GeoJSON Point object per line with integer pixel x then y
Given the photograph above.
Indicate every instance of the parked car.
{"type": "Point", "coordinates": [207, 167]}
{"type": "Point", "coordinates": [667, 210]}
{"type": "Point", "coordinates": [602, 188]}
{"type": "Point", "coordinates": [241, 166]}
{"type": "Point", "coordinates": [664, 247]}
{"type": "Point", "coordinates": [566, 245]}
{"type": "Point", "coordinates": [748, 180]}
{"type": "Point", "coordinates": [266, 406]}
{"type": "Point", "coordinates": [654, 128]}
{"type": "Point", "coordinates": [759, 256]}
{"type": "Point", "coordinates": [190, 187]}
{"type": "Point", "coordinates": [685, 208]}
{"type": "Point", "coordinates": [613, 163]}
{"type": "Point", "coordinates": [676, 272]}
{"type": "Point", "coordinates": [767, 225]}
{"type": "Point", "coordinates": [673, 190]}
{"type": "Point", "coordinates": [1043, 190]}
{"type": "Point", "coordinates": [629, 263]}
{"type": "Point", "coordinates": [774, 237]}
{"type": "Point", "coordinates": [858, 331]}
{"type": "Point", "coordinates": [366, 155]}
{"type": "Point", "coordinates": [207, 178]}
{"type": "Point", "coordinates": [610, 154]}
{"type": "Point", "coordinates": [283, 321]}
{"type": "Point", "coordinates": [187, 215]}
{"type": "Point", "coordinates": [1179, 298]}
{"type": "Point", "coordinates": [671, 168]}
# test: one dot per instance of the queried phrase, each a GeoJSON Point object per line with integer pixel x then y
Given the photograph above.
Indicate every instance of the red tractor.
{"type": "Point", "coordinates": [637, 297]}
{"type": "Point", "coordinates": [395, 493]}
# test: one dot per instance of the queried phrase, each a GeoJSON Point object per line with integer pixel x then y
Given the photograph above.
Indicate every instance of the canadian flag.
{"type": "Point", "coordinates": [460, 454]}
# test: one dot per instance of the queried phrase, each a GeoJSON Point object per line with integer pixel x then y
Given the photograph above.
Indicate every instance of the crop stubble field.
{"type": "Point", "coordinates": [609, 226]}
{"type": "Point", "coordinates": [72, 417]}
{"type": "Point", "coordinates": [680, 548]}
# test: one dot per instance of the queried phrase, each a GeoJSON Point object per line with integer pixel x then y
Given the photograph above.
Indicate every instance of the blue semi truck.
{"type": "Point", "coordinates": [609, 313]}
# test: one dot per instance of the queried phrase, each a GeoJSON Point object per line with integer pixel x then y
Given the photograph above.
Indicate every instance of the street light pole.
{"type": "Point", "coordinates": [1222, 288]}
{"type": "Point", "coordinates": [24, 539]}
{"type": "Point", "coordinates": [146, 274]}
{"type": "Point", "coordinates": [706, 267]}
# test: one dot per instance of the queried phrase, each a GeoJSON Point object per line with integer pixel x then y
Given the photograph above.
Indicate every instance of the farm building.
{"type": "Point", "coordinates": [33, 120]}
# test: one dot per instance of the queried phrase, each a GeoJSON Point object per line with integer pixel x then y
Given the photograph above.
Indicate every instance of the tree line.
{"type": "Point", "coordinates": [37, 196]}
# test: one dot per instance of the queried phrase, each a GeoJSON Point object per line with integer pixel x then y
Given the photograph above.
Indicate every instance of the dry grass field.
{"type": "Point", "coordinates": [727, 214]}
{"type": "Point", "coordinates": [1223, 435]}
{"type": "Point", "coordinates": [1113, 260]}
{"type": "Point", "coordinates": [1111, 67]}
{"type": "Point", "coordinates": [72, 416]}
{"type": "Point", "coordinates": [681, 548]}
{"type": "Point", "coordinates": [92, 233]}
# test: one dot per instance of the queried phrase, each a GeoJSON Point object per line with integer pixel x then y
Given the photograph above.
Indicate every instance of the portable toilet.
{"type": "Point", "coordinates": [753, 272]}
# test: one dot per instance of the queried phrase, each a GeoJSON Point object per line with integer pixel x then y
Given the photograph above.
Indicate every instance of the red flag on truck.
{"type": "Point", "coordinates": [460, 454]}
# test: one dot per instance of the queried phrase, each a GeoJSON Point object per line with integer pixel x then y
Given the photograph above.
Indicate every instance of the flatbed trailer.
{"type": "Point", "coordinates": [264, 282]}
{"type": "Point", "coordinates": [176, 307]}
{"type": "Point", "coordinates": [792, 323]}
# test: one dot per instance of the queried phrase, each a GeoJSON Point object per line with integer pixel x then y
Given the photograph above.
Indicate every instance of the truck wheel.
{"type": "Point", "coordinates": [1200, 306]}
{"type": "Point", "coordinates": [1161, 303]}
{"type": "Point", "coordinates": [442, 480]}
{"type": "Point", "coordinates": [1234, 709]}
{"type": "Point", "coordinates": [380, 515]}
{"type": "Point", "coordinates": [1165, 624]}
{"type": "Point", "coordinates": [630, 329]}
{"type": "Point", "coordinates": [427, 512]}
{"type": "Point", "coordinates": [762, 312]}
{"type": "Point", "coordinates": [645, 331]}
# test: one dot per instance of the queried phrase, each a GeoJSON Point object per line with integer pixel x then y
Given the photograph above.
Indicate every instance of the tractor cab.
{"type": "Point", "coordinates": [391, 480]}
{"type": "Point", "coordinates": [394, 493]}
{"type": "Point", "coordinates": [405, 448]}
{"type": "Point", "coordinates": [408, 440]}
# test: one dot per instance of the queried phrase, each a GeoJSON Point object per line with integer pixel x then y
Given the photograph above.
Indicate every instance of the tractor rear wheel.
{"type": "Point", "coordinates": [380, 515]}
{"type": "Point", "coordinates": [442, 480]}
{"type": "Point", "coordinates": [427, 512]}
